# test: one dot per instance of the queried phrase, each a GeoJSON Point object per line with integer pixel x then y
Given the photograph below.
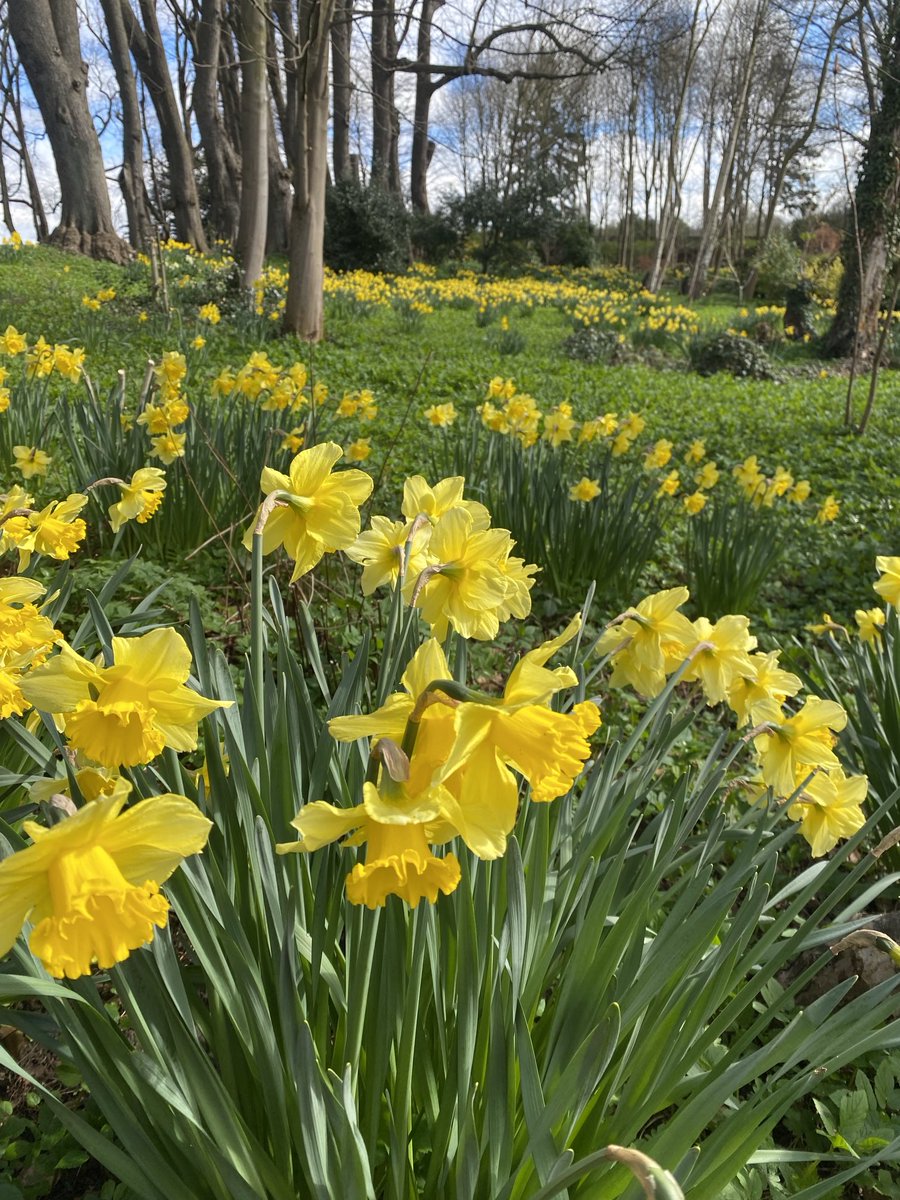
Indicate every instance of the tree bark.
{"type": "Point", "coordinates": [711, 225]}
{"type": "Point", "coordinates": [279, 225]}
{"type": "Point", "coordinates": [304, 312]}
{"type": "Point", "coordinates": [667, 226]}
{"type": "Point", "coordinates": [252, 44]}
{"type": "Point", "coordinates": [868, 261]}
{"type": "Point", "coordinates": [341, 90]}
{"type": "Point", "coordinates": [229, 73]}
{"type": "Point", "coordinates": [46, 37]}
{"type": "Point", "coordinates": [385, 118]}
{"type": "Point", "coordinates": [422, 146]}
{"type": "Point", "coordinates": [219, 153]}
{"type": "Point", "coordinates": [13, 97]}
{"type": "Point", "coordinates": [150, 55]}
{"type": "Point", "coordinates": [131, 179]}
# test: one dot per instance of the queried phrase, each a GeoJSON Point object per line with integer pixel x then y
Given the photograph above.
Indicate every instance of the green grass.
{"type": "Point", "coordinates": [448, 357]}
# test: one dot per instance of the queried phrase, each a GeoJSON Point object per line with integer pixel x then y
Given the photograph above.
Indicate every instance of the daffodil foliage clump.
{"type": "Point", "coordinates": [374, 929]}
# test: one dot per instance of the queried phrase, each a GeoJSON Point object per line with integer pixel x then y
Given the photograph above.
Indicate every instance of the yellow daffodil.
{"type": "Point", "coordinates": [140, 499]}
{"type": "Point", "coordinates": [584, 490]}
{"type": "Point", "coordinates": [30, 461]}
{"type": "Point", "coordinates": [559, 425]}
{"type": "Point", "coordinates": [888, 586]}
{"type": "Point", "coordinates": [320, 511]}
{"type": "Point", "coordinates": [161, 418]}
{"type": "Point", "coordinates": [368, 409]}
{"type": "Point", "coordinates": [750, 477]}
{"type": "Point", "coordinates": [294, 440]}
{"type": "Point", "coordinates": [12, 342]}
{"type": "Point", "coordinates": [441, 415]}
{"type": "Point", "coordinates": [870, 623]}
{"type": "Point", "coordinates": [39, 360]}
{"type": "Point", "coordinates": [518, 731]}
{"type": "Point", "coordinates": [707, 477]}
{"type": "Point", "coordinates": [68, 363]}
{"type": "Point", "coordinates": [633, 426]}
{"type": "Point", "coordinates": [830, 808]}
{"type": "Point", "coordinates": [298, 375]}
{"type": "Point", "coordinates": [781, 481]}
{"type": "Point", "coordinates": [169, 446]}
{"type": "Point", "coordinates": [828, 511]}
{"type": "Point", "coordinates": [224, 383]}
{"type": "Point", "coordinates": [397, 820]}
{"type": "Point", "coordinates": [799, 492]}
{"type": "Point", "coordinates": [696, 452]}
{"type": "Point", "coordinates": [669, 485]}
{"type": "Point", "coordinates": [172, 369]}
{"type": "Point", "coordinates": [23, 628]}
{"type": "Point", "coordinates": [90, 884]}
{"type": "Point", "coordinates": [420, 498]}
{"type": "Point", "coordinates": [499, 388]}
{"type": "Point", "coordinates": [56, 531]}
{"type": "Point", "coordinates": [470, 587]}
{"type": "Point", "coordinates": [359, 450]}
{"type": "Point", "coordinates": [694, 503]}
{"type": "Point", "coordinates": [210, 313]}
{"type": "Point", "coordinates": [649, 640]}
{"type": "Point", "coordinates": [426, 666]}
{"type": "Point", "coordinates": [598, 427]}
{"type": "Point", "coordinates": [720, 655]}
{"type": "Point", "coordinates": [125, 714]}
{"type": "Point", "coordinates": [15, 498]}
{"type": "Point", "coordinates": [26, 639]}
{"type": "Point", "coordinates": [768, 681]}
{"type": "Point", "coordinates": [520, 418]}
{"type": "Point", "coordinates": [827, 625]}
{"type": "Point", "coordinates": [398, 859]}
{"type": "Point", "coordinates": [460, 780]}
{"type": "Point", "coordinates": [91, 782]}
{"type": "Point", "coordinates": [797, 743]}
{"type": "Point", "coordinates": [385, 547]}
{"type": "Point", "coordinates": [659, 455]}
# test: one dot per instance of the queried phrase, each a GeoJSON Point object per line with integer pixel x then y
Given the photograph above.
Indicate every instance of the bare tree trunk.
{"type": "Point", "coordinates": [12, 103]}
{"type": "Point", "coordinates": [710, 232]}
{"type": "Point", "coordinates": [131, 179]}
{"type": "Point", "coordinates": [342, 90]}
{"type": "Point", "coordinates": [626, 231]}
{"type": "Point", "coordinates": [220, 155]}
{"type": "Point", "coordinates": [667, 226]}
{"type": "Point", "coordinates": [252, 44]}
{"type": "Point", "coordinates": [229, 73]}
{"type": "Point", "coordinates": [861, 296]}
{"type": "Point", "coordinates": [6, 69]}
{"type": "Point", "coordinates": [422, 146]}
{"type": "Point", "coordinates": [150, 55]}
{"type": "Point", "coordinates": [385, 118]}
{"type": "Point", "coordinates": [46, 37]}
{"type": "Point", "coordinates": [304, 313]}
{"type": "Point", "coordinates": [279, 225]}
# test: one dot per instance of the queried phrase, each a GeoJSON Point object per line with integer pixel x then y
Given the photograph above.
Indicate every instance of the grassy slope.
{"type": "Point", "coordinates": [795, 422]}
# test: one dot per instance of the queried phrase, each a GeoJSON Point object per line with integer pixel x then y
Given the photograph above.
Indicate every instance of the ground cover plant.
{"type": "Point", "coordinates": [357, 863]}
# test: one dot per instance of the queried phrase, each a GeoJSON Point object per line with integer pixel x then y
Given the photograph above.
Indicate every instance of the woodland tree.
{"type": "Point", "coordinates": [46, 36]}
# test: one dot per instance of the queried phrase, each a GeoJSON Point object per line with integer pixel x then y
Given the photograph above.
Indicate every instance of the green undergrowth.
{"type": "Point", "coordinates": [447, 356]}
